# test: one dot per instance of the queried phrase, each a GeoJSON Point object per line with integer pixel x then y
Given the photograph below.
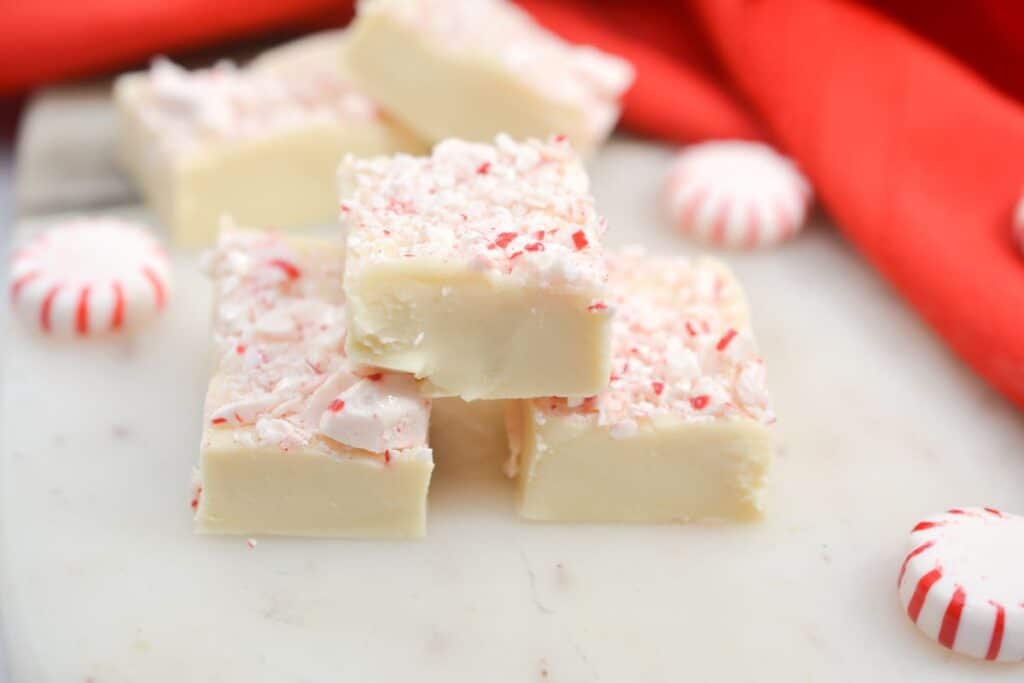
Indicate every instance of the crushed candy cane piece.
{"type": "Point", "coordinates": [283, 378]}
{"type": "Point", "coordinates": [681, 346]}
{"type": "Point", "coordinates": [527, 218]}
{"type": "Point", "coordinates": [378, 415]}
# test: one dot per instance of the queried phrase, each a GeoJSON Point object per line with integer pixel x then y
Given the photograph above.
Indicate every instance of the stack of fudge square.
{"type": "Point", "coordinates": [630, 386]}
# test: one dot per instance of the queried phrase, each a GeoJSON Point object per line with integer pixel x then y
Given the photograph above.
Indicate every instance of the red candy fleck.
{"type": "Point", "coordinates": [118, 314]}
{"type": "Point", "coordinates": [399, 206]}
{"type": "Point", "coordinates": [597, 306]}
{"type": "Point", "coordinates": [579, 239]}
{"type": "Point", "coordinates": [725, 340]}
{"type": "Point", "coordinates": [195, 499]}
{"type": "Point", "coordinates": [158, 286]}
{"type": "Point", "coordinates": [240, 349]}
{"type": "Point", "coordinates": [539, 234]}
{"type": "Point", "coordinates": [336, 405]}
{"type": "Point", "coordinates": [483, 168]}
{"type": "Point", "coordinates": [290, 269]}
{"type": "Point", "coordinates": [691, 329]}
{"type": "Point", "coordinates": [44, 311]}
{"type": "Point", "coordinates": [17, 285]}
{"type": "Point", "coordinates": [375, 377]}
{"type": "Point", "coordinates": [700, 402]}
{"type": "Point", "coordinates": [218, 420]}
{"type": "Point", "coordinates": [534, 246]}
{"type": "Point", "coordinates": [504, 238]}
{"type": "Point", "coordinates": [387, 456]}
{"type": "Point", "coordinates": [82, 314]}
{"type": "Point", "coordinates": [515, 255]}
{"type": "Point", "coordinates": [658, 387]}
{"type": "Point", "coordinates": [560, 137]}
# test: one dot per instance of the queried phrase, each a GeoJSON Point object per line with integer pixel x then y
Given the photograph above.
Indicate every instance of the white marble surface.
{"type": "Point", "coordinates": [103, 581]}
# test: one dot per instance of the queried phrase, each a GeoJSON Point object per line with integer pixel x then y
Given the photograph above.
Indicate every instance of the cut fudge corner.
{"type": "Point", "coordinates": [682, 432]}
{"type": "Point", "coordinates": [297, 440]}
{"type": "Point", "coordinates": [479, 269]}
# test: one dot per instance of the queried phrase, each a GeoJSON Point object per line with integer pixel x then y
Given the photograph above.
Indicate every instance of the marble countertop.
{"type": "Point", "coordinates": [103, 580]}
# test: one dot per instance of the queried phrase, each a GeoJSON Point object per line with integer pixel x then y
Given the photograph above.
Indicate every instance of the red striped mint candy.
{"type": "Point", "coordinates": [962, 582]}
{"type": "Point", "coordinates": [736, 194]}
{"type": "Point", "coordinates": [88, 276]}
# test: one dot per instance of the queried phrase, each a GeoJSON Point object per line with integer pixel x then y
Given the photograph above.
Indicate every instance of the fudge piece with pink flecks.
{"type": "Point", "coordinates": [296, 439]}
{"type": "Point", "coordinates": [681, 432]}
{"type": "Point", "coordinates": [479, 269]}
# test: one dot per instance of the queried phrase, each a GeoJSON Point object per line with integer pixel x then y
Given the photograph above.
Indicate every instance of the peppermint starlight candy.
{"type": "Point", "coordinates": [90, 275]}
{"type": "Point", "coordinates": [962, 582]}
{"type": "Point", "coordinates": [736, 194]}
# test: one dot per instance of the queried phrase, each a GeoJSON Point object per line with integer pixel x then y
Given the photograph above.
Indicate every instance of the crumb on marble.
{"type": "Point", "coordinates": [121, 432]}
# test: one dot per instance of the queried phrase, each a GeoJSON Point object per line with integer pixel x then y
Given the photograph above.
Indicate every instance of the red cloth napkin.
{"type": "Point", "coordinates": [46, 40]}
{"type": "Point", "coordinates": [905, 115]}
{"type": "Point", "coordinates": [909, 124]}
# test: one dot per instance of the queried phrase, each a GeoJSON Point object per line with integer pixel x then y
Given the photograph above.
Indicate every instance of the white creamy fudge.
{"type": "Point", "coordinates": [471, 69]}
{"type": "Point", "coordinates": [466, 431]}
{"type": "Point", "coordinates": [297, 440]}
{"type": "Point", "coordinates": [260, 144]}
{"type": "Point", "coordinates": [682, 430]}
{"type": "Point", "coordinates": [478, 268]}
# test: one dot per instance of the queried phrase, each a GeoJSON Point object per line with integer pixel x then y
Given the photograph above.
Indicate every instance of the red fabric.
{"type": "Point", "coordinates": [46, 40]}
{"type": "Point", "coordinates": [906, 115]}
{"type": "Point", "coordinates": [917, 157]}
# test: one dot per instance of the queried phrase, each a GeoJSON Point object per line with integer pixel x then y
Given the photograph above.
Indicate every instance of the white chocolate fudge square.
{"type": "Point", "coordinates": [260, 144]}
{"type": "Point", "coordinates": [478, 268]}
{"type": "Point", "coordinates": [471, 69]}
{"type": "Point", "coordinates": [296, 440]}
{"type": "Point", "coordinates": [682, 430]}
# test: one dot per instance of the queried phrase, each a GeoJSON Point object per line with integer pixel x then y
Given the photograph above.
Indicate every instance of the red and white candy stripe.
{"type": "Point", "coordinates": [962, 582]}
{"type": "Point", "coordinates": [90, 275]}
{"type": "Point", "coordinates": [736, 194]}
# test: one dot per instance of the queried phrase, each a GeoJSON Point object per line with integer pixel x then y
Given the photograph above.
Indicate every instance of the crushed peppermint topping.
{"type": "Point", "coordinates": [525, 218]}
{"type": "Point", "coordinates": [681, 346]}
{"type": "Point", "coordinates": [579, 239]}
{"type": "Point", "coordinates": [508, 38]}
{"type": "Point", "coordinates": [289, 268]}
{"type": "Point", "coordinates": [225, 102]}
{"type": "Point", "coordinates": [283, 377]}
